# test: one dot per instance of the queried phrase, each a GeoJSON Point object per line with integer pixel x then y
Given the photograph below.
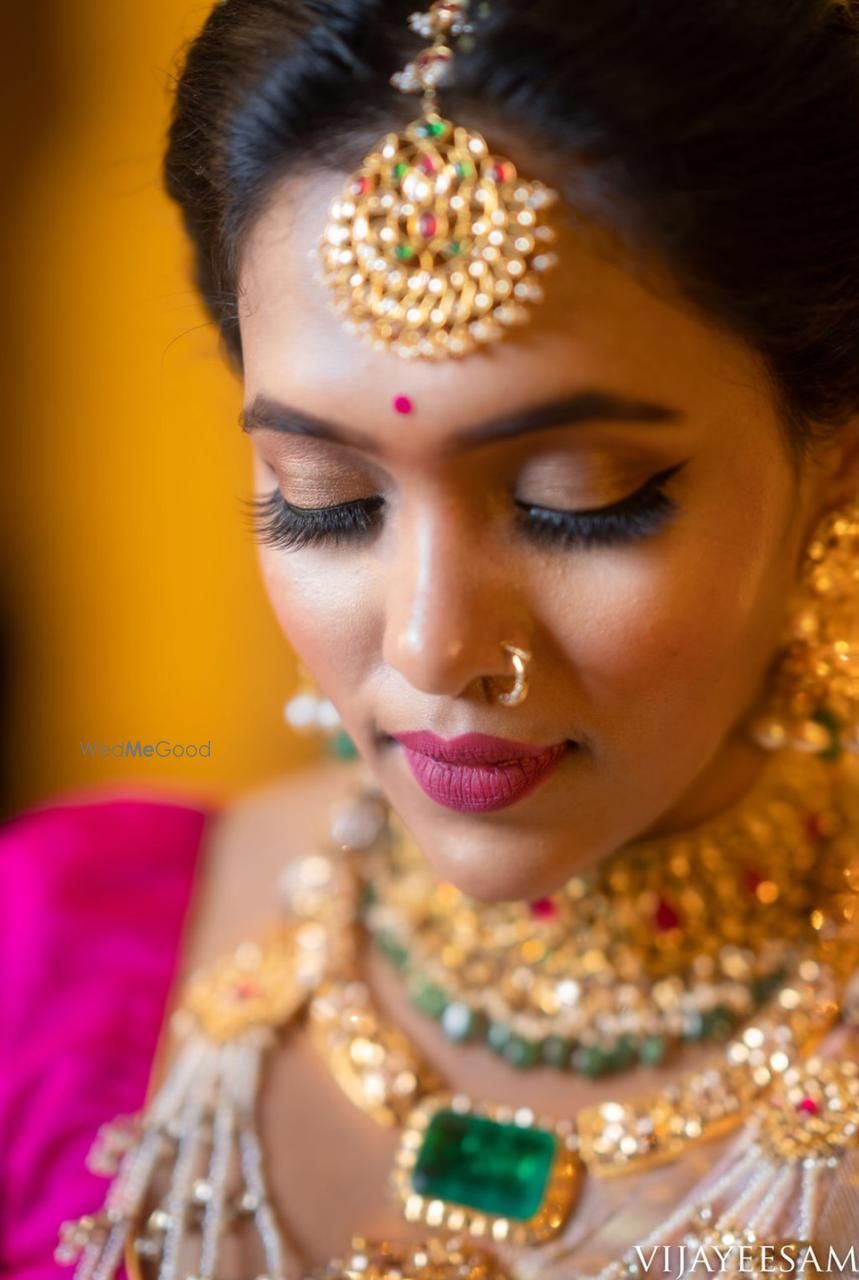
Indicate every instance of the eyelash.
{"type": "Point", "coordinates": [631, 519]}
{"type": "Point", "coordinates": [277, 523]}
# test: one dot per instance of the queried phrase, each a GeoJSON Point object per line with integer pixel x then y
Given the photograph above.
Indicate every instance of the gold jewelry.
{"type": "Point", "coordinates": [814, 695]}
{"type": "Point", "coordinates": [519, 660]}
{"type": "Point", "coordinates": [231, 1016]}
{"type": "Point", "coordinates": [670, 940]}
{"type": "Point", "coordinates": [310, 713]}
{"type": "Point", "coordinates": [436, 246]}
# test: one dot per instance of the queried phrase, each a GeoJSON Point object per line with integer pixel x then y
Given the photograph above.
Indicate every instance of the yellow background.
{"type": "Point", "coordinates": [131, 602]}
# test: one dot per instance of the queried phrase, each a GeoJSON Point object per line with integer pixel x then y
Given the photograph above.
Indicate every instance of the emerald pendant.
{"type": "Point", "coordinates": [498, 1168]}
{"type": "Point", "coordinates": [486, 1170]}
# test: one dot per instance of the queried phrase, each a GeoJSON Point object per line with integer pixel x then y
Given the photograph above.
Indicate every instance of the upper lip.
{"type": "Point", "coordinates": [473, 748]}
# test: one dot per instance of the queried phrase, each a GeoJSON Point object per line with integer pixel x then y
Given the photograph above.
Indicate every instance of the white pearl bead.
{"type": "Point", "coordinates": [359, 824]}
{"type": "Point", "coordinates": [300, 711]}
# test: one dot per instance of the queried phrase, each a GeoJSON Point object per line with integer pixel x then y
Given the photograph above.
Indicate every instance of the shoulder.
{"type": "Point", "coordinates": [247, 848]}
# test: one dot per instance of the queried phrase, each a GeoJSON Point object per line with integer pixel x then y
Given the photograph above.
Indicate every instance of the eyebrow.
{"type": "Point", "coordinates": [593, 405]}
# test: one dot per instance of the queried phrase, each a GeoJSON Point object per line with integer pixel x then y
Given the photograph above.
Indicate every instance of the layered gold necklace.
{"type": "Point", "coordinates": [670, 940]}
{"type": "Point", "coordinates": [476, 1173]}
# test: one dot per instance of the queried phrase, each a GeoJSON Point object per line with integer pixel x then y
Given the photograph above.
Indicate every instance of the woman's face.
{"type": "Point", "coordinates": [423, 541]}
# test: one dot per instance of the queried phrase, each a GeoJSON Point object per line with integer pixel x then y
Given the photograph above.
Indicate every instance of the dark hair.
{"type": "Point", "coordinates": [720, 135]}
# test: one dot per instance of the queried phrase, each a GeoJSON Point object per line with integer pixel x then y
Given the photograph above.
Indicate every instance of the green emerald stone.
{"type": "Point", "coordinates": [521, 1053]}
{"type": "Point", "coordinates": [392, 949]}
{"type": "Point", "coordinates": [432, 129]}
{"type": "Point", "coordinates": [369, 896]}
{"type": "Point", "coordinates": [341, 746]}
{"type": "Point", "coordinates": [763, 988]}
{"type": "Point", "coordinates": [652, 1050]}
{"type": "Point", "coordinates": [405, 252]}
{"type": "Point", "coordinates": [621, 1055]}
{"type": "Point", "coordinates": [497, 1036]}
{"type": "Point", "coordinates": [400, 170]}
{"type": "Point", "coordinates": [718, 1023]}
{"type": "Point", "coordinates": [556, 1051]}
{"type": "Point", "coordinates": [495, 1168]}
{"type": "Point", "coordinates": [695, 1026]}
{"type": "Point", "coordinates": [823, 716]}
{"type": "Point", "coordinates": [589, 1060]}
{"type": "Point", "coordinates": [428, 998]}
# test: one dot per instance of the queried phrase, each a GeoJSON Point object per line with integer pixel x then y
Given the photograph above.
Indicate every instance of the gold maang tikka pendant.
{"type": "Point", "coordinates": [435, 245]}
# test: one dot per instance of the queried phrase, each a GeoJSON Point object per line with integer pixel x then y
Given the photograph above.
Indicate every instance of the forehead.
{"type": "Point", "coordinates": [604, 323]}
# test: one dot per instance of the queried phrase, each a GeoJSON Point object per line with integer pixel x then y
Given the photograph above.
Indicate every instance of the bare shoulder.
{"type": "Point", "coordinates": [245, 848]}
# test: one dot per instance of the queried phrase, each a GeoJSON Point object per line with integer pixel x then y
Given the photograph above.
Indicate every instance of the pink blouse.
{"type": "Point", "coordinates": [94, 891]}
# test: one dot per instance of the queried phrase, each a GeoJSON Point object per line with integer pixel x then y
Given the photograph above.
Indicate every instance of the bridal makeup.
{"type": "Point", "coordinates": [608, 488]}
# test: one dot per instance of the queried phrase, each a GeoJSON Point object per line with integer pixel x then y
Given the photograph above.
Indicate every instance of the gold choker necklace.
{"type": "Point", "coordinates": [670, 940]}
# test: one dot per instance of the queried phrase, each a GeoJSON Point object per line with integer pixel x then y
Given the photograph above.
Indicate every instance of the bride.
{"type": "Point", "coordinates": [547, 320]}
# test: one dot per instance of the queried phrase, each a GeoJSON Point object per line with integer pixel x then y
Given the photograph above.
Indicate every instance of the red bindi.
{"type": "Point", "coordinates": [403, 404]}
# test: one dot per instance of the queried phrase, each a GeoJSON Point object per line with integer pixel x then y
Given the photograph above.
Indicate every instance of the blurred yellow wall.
{"type": "Point", "coordinates": [131, 603]}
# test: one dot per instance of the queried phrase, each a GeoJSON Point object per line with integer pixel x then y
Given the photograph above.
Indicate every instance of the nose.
{"type": "Point", "coordinates": [447, 608]}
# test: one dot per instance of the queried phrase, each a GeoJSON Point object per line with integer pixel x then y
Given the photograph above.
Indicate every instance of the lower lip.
{"type": "Point", "coordinates": [482, 788]}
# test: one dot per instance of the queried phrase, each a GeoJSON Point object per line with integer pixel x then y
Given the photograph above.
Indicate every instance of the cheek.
{"type": "Point", "coordinates": [321, 603]}
{"type": "Point", "coordinates": [654, 635]}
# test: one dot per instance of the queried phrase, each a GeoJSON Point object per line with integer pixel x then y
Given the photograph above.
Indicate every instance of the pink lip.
{"type": "Point", "coordinates": [476, 773]}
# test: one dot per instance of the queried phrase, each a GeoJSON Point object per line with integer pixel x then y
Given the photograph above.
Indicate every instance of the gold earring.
{"type": "Point", "coordinates": [519, 659]}
{"type": "Point", "coordinates": [814, 695]}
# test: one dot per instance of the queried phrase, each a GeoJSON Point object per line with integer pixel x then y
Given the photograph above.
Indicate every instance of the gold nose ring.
{"type": "Point", "coordinates": [519, 659]}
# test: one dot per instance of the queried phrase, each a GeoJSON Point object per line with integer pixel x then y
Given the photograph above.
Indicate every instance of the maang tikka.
{"type": "Point", "coordinates": [435, 245]}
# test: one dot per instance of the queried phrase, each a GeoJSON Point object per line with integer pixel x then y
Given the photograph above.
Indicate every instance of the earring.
{"type": "Point", "coordinates": [814, 695]}
{"type": "Point", "coordinates": [519, 659]}
{"type": "Point", "coordinates": [310, 713]}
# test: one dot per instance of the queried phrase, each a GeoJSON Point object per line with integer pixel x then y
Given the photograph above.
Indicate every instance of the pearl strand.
{"type": "Point", "coordinates": [771, 1207]}
{"type": "Point", "coordinates": [808, 1201]}
{"type": "Point", "coordinates": [190, 1124]}
{"type": "Point", "coordinates": [219, 1164]}
{"type": "Point", "coordinates": [251, 1160]}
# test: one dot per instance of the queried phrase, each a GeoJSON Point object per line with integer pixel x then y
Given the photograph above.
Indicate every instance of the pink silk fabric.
{"type": "Point", "coordinates": [94, 891]}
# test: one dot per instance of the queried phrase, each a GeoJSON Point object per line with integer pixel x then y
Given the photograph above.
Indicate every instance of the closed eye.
{"type": "Point", "coordinates": [639, 515]}
{"type": "Point", "coordinates": [278, 523]}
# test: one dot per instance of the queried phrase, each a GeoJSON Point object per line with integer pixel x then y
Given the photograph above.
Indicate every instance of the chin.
{"type": "Point", "coordinates": [490, 868]}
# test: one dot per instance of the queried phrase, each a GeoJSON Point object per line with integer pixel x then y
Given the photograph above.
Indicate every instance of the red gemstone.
{"type": "Point", "coordinates": [809, 1106]}
{"type": "Point", "coordinates": [428, 225]}
{"type": "Point", "coordinates": [434, 57]}
{"type": "Point", "coordinates": [752, 879]}
{"type": "Point", "coordinates": [501, 172]}
{"type": "Point", "coordinates": [665, 916]}
{"type": "Point", "coordinates": [426, 164]}
{"type": "Point", "coordinates": [361, 186]}
{"type": "Point", "coordinates": [543, 909]}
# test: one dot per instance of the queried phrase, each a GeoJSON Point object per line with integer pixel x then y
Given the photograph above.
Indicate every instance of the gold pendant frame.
{"type": "Point", "coordinates": [562, 1189]}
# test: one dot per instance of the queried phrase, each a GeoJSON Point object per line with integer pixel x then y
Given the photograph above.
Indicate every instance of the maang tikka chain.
{"type": "Point", "coordinates": [436, 246]}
